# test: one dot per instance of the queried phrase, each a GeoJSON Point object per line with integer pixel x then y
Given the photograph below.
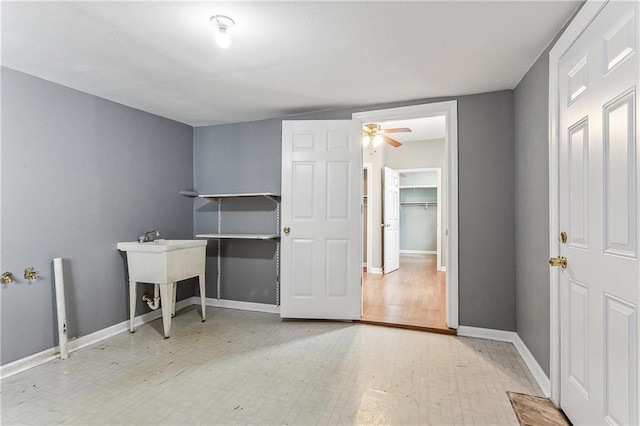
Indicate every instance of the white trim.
{"type": "Point", "coordinates": [442, 269]}
{"type": "Point", "coordinates": [536, 371]}
{"type": "Point", "coordinates": [374, 270]}
{"type": "Point", "coordinates": [28, 362]}
{"type": "Point", "coordinates": [50, 354]}
{"type": "Point", "coordinates": [512, 337]}
{"type": "Point", "coordinates": [450, 110]}
{"type": "Point", "coordinates": [364, 265]}
{"type": "Point", "coordinates": [418, 252]}
{"type": "Point", "coordinates": [486, 333]}
{"type": "Point", "coordinates": [583, 18]}
{"type": "Point", "coordinates": [244, 306]}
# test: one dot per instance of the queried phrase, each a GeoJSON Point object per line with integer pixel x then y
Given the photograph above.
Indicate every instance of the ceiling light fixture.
{"type": "Point", "coordinates": [373, 134]}
{"type": "Point", "coordinates": [223, 24]}
{"type": "Point", "coordinates": [366, 140]}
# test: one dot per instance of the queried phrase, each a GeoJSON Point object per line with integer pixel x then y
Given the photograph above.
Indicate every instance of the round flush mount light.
{"type": "Point", "coordinates": [223, 24]}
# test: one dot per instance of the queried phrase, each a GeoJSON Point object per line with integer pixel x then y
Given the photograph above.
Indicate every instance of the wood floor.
{"type": "Point", "coordinates": [411, 297]}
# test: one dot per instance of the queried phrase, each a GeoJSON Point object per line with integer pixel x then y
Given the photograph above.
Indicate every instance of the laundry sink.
{"type": "Point", "coordinates": [164, 262]}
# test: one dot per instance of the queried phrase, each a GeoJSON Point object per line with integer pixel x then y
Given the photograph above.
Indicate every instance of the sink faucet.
{"type": "Point", "coordinates": [148, 236]}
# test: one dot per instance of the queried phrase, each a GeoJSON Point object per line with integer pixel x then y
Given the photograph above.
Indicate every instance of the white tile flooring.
{"type": "Point", "coordinates": [252, 368]}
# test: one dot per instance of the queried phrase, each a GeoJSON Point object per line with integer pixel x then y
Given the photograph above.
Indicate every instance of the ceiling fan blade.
{"type": "Point", "coordinates": [396, 130]}
{"type": "Point", "coordinates": [391, 142]}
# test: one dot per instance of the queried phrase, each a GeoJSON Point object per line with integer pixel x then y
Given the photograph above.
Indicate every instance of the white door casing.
{"type": "Point", "coordinates": [321, 255]}
{"type": "Point", "coordinates": [596, 84]}
{"type": "Point", "coordinates": [450, 110]}
{"type": "Point", "coordinates": [391, 219]}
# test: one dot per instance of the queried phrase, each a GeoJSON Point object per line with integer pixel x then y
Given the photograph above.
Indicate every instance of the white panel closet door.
{"type": "Point", "coordinates": [321, 242]}
{"type": "Point", "coordinates": [391, 225]}
{"type": "Point", "coordinates": [598, 165]}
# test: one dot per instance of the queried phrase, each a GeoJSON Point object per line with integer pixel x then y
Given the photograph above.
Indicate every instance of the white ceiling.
{"type": "Point", "coordinates": [285, 58]}
{"type": "Point", "coordinates": [422, 129]}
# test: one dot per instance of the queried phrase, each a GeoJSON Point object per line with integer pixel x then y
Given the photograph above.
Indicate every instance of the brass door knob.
{"type": "Point", "coordinates": [558, 261]}
{"type": "Point", "coordinates": [287, 230]}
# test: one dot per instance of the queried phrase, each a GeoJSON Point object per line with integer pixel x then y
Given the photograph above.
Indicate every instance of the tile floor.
{"type": "Point", "coordinates": [252, 368]}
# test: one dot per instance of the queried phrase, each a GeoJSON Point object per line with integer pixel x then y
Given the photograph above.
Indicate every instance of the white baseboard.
{"type": "Point", "coordinates": [512, 337]}
{"type": "Point", "coordinates": [537, 371]}
{"type": "Point", "coordinates": [418, 252]}
{"type": "Point", "coordinates": [22, 364]}
{"type": "Point", "coordinates": [486, 333]}
{"type": "Point", "coordinates": [374, 270]}
{"type": "Point", "coordinates": [234, 304]}
{"type": "Point", "coordinates": [50, 354]}
{"type": "Point", "coordinates": [442, 269]}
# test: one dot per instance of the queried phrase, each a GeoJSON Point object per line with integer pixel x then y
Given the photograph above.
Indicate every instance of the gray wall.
{"type": "Point", "coordinates": [531, 123]}
{"type": "Point", "coordinates": [246, 157]}
{"type": "Point", "coordinates": [234, 158]}
{"type": "Point", "coordinates": [531, 102]}
{"type": "Point", "coordinates": [79, 174]}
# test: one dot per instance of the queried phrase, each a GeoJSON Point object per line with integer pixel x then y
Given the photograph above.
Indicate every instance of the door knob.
{"type": "Point", "coordinates": [558, 261]}
{"type": "Point", "coordinates": [287, 230]}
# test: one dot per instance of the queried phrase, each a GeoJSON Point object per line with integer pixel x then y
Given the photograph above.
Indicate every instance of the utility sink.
{"type": "Point", "coordinates": [164, 262]}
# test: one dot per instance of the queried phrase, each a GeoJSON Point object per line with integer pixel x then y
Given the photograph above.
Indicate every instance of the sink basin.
{"type": "Point", "coordinates": [164, 262]}
{"type": "Point", "coordinates": [160, 245]}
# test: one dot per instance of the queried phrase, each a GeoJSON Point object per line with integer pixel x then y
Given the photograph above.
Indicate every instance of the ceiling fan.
{"type": "Point", "coordinates": [373, 134]}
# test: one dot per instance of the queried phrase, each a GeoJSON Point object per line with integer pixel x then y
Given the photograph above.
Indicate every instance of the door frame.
{"type": "Point", "coordinates": [368, 166]}
{"type": "Point", "coordinates": [580, 22]}
{"type": "Point", "coordinates": [439, 266]}
{"type": "Point", "coordinates": [449, 109]}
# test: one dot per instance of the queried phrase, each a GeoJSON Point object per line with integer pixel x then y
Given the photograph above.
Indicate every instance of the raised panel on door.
{"type": "Point", "coordinates": [577, 80]}
{"type": "Point", "coordinates": [620, 42]}
{"type": "Point", "coordinates": [303, 190]}
{"type": "Point", "coordinates": [579, 335]}
{"type": "Point", "coordinates": [338, 268]}
{"type": "Point", "coordinates": [302, 282]}
{"type": "Point", "coordinates": [621, 384]}
{"type": "Point", "coordinates": [578, 183]}
{"type": "Point", "coordinates": [620, 189]}
{"type": "Point", "coordinates": [338, 190]}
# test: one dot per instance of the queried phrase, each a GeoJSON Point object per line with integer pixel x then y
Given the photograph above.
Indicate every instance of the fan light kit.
{"type": "Point", "coordinates": [374, 135]}
{"type": "Point", "coordinates": [223, 24]}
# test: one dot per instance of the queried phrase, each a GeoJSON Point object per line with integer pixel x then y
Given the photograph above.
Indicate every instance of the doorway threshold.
{"type": "Point", "coordinates": [449, 331]}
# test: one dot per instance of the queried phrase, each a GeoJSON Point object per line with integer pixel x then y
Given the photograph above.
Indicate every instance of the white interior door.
{"type": "Point", "coordinates": [391, 217]}
{"type": "Point", "coordinates": [598, 162]}
{"type": "Point", "coordinates": [321, 239]}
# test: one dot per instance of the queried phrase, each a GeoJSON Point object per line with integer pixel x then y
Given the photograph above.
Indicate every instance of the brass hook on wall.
{"type": "Point", "coordinates": [6, 278]}
{"type": "Point", "coordinates": [30, 273]}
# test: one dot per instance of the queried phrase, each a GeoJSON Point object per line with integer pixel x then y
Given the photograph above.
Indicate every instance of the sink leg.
{"type": "Point", "coordinates": [202, 297]}
{"type": "Point", "coordinates": [173, 302]}
{"type": "Point", "coordinates": [166, 296]}
{"type": "Point", "coordinates": [132, 304]}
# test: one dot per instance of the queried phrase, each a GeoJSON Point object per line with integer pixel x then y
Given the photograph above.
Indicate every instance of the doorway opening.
{"type": "Point", "coordinates": [421, 289]}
